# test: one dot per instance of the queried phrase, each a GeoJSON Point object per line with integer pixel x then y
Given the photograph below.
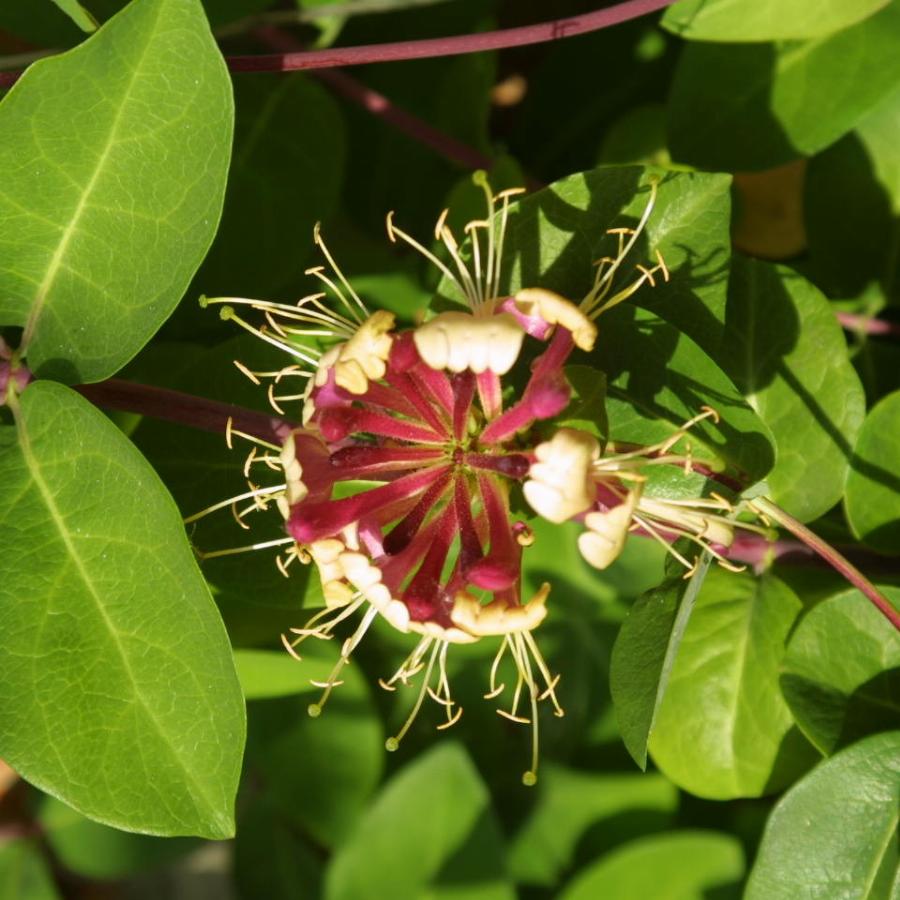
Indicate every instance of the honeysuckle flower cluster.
{"type": "Point", "coordinates": [397, 485]}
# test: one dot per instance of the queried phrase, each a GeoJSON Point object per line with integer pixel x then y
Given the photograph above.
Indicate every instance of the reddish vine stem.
{"type": "Point", "coordinates": [185, 409]}
{"type": "Point", "coordinates": [447, 46]}
{"type": "Point", "coordinates": [832, 557]}
{"type": "Point", "coordinates": [380, 106]}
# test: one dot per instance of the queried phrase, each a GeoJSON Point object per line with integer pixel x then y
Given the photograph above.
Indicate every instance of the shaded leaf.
{"type": "Point", "coordinates": [270, 673]}
{"type": "Point", "coordinates": [770, 103]}
{"type": "Point", "coordinates": [764, 20]}
{"type": "Point", "coordinates": [319, 773]}
{"type": "Point", "coordinates": [116, 156]}
{"type": "Point", "coordinates": [579, 814]}
{"type": "Point", "coordinates": [587, 408]}
{"type": "Point", "coordinates": [872, 502]}
{"type": "Point", "coordinates": [98, 851]}
{"type": "Point", "coordinates": [723, 729]}
{"type": "Point", "coordinates": [433, 816]}
{"type": "Point", "coordinates": [841, 672]}
{"type": "Point", "coordinates": [683, 865]}
{"type": "Point", "coordinates": [110, 648]}
{"type": "Point", "coordinates": [785, 350]}
{"type": "Point", "coordinates": [285, 176]}
{"type": "Point", "coordinates": [836, 829]}
{"type": "Point", "coordinates": [644, 655]}
{"type": "Point", "coordinates": [23, 873]}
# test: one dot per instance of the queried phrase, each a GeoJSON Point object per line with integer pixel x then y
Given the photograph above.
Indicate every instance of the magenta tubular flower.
{"type": "Point", "coordinates": [397, 487]}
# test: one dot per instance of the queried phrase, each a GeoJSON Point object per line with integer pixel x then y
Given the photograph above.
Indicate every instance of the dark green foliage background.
{"type": "Point", "coordinates": [136, 174]}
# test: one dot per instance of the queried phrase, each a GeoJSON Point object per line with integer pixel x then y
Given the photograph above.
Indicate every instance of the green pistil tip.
{"type": "Point", "coordinates": [391, 744]}
{"type": "Point", "coordinates": [529, 779]}
{"type": "Point", "coordinates": [226, 313]}
{"type": "Point", "coordinates": [204, 301]}
{"type": "Point", "coordinates": [314, 710]}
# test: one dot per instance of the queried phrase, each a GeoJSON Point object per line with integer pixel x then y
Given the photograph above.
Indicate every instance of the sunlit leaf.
{"type": "Point", "coordinates": [770, 103]}
{"type": "Point", "coordinates": [841, 674]}
{"type": "Point", "coordinates": [873, 486]}
{"type": "Point", "coordinates": [111, 649]}
{"type": "Point", "coordinates": [836, 830]}
{"type": "Point", "coordinates": [723, 729]}
{"type": "Point", "coordinates": [115, 157]}
{"type": "Point", "coordinates": [644, 655]}
{"type": "Point", "coordinates": [786, 352]}
{"type": "Point", "coordinates": [764, 20]}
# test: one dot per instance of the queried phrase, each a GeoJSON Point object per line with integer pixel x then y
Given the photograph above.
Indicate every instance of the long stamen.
{"type": "Point", "coordinates": [320, 242]}
{"type": "Point", "coordinates": [393, 743]}
{"type": "Point", "coordinates": [394, 232]}
{"type": "Point", "coordinates": [308, 355]}
{"type": "Point", "coordinates": [232, 500]}
{"type": "Point", "coordinates": [233, 551]}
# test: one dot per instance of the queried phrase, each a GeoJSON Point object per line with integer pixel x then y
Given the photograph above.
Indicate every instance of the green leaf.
{"type": "Point", "coordinates": [835, 832]}
{"type": "Point", "coordinates": [97, 851]}
{"type": "Point", "coordinates": [587, 408]}
{"type": "Point", "coordinates": [841, 673]}
{"type": "Point", "coordinates": [555, 236]}
{"type": "Point", "coordinates": [851, 199]}
{"type": "Point", "coordinates": [764, 20]}
{"type": "Point", "coordinates": [658, 378]}
{"type": "Point", "coordinates": [723, 729]}
{"type": "Point", "coordinates": [683, 865]}
{"type": "Point", "coordinates": [293, 866]}
{"type": "Point", "coordinates": [113, 190]}
{"type": "Point", "coordinates": [785, 351]}
{"type": "Point", "coordinates": [578, 815]}
{"type": "Point", "coordinates": [23, 873]}
{"type": "Point", "coordinates": [433, 818]}
{"type": "Point", "coordinates": [872, 503]}
{"type": "Point", "coordinates": [286, 175]}
{"type": "Point", "coordinates": [644, 654]}
{"type": "Point", "coordinates": [78, 14]}
{"type": "Point", "coordinates": [320, 772]}
{"type": "Point", "coordinates": [110, 648]}
{"type": "Point", "coordinates": [770, 103]}
{"type": "Point", "coordinates": [268, 673]}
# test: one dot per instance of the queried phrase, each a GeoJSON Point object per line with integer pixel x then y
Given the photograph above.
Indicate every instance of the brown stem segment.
{"type": "Point", "coordinates": [185, 409]}
{"type": "Point", "coordinates": [831, 556]}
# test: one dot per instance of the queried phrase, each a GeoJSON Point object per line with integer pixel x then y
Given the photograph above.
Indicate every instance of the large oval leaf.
{"type": "Point", "coordinates": [115, 157]}
{"type": "Point", "coordinates": [841, 673]}
{"type": "Point", "coordinates": [764, 20]}
{"type": "Point", "coordinates": [770, 103]}
{"type": "Point", "coordinates": [785, 350]}
{"type": "Point", "coordinates": [23, 873]}
{"type": "Point", "coordinates": [434, 815]}
{"type": "Point", "coordinates": [686, 865]}
{"type": "Point", "coordinates": [644, 654]}
{"type": "Point", "coordinates": [836, 830]}
{"type": "Point", "coordinates": [873, 486]}
{"type": "Point", "coordinates": [723, 729]}
{"type": "Point", "coordinates": [117, 688]}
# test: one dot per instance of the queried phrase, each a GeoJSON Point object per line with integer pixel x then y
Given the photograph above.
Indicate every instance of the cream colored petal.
{"type": "Point", "coordinates": [458, 341]}
{"type": "Point", "coordinates": [556, 310]}
{"type": "Point", "coordinates": [560, 484]}
{"type": "Point", "coordinates": [498, 618]}
{"type": "Point", "coordinates": [602, 543]}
